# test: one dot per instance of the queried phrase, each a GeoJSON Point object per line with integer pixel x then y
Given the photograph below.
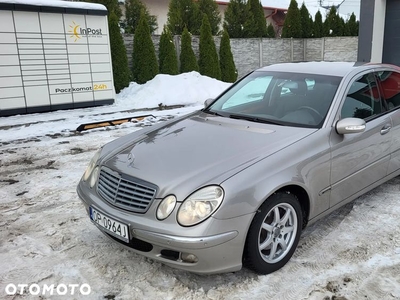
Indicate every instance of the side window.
{"type": "Point", "coordinates": [390, 83]}
{"type": "Point", "coordinates": [363, 99]}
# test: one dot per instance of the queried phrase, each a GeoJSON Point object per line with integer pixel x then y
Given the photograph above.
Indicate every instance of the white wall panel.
{"type": "Point", "coordinates": [39, 62]}
{"type": "Point", "coordinates": [51, 23]}
{"type": "Point", "coordinates": [77, 49]}
{"type": "Point", "coordinates": [37, 95]}
{"type": "Point", "coordinates": [8, 49]}
{"type": "Point", "coordinates": [27, 73]}
{"type": "Point", "coordinates": [59, 81]}
{"type": "Point", "coordinates": [31, 36]}
{"type": "Point", "coordinates": [61, 99]}
{"type": "Point", "coordinates": [10, 82]}
{"type": "Point", "coordinates": [57, 62]}
{"type": "Point", "coordinates": [84, 77]}
{"type": "Point", "coordinates": [6, 21]}
{"type": "Point", "coordinates": [12, 103]}
{"type": "Point", "coordinates": [103, 95]}
{"type": "Point", "coordinates": [6, 37]}
{"type": "Point", "coordinates": [22, 41]}
{"type": "Point", "coordinates": [83, 97]}
{"type": "Point", "coordinates": [11, 92]}
{"type": "Point", "coordinates": [106, 67]}
{"type": "Point", "coordinates": [79, 68]}
{"type": "Point", "coordinates": [10, 71]}
{"type": "Point", "coordinates": [9, 60]}
{"type": "Point", "coordinates": [99, 58]}
{"type": "Point", "coordinates": [26, 21]}
{"type": "Point", "coordinates": [78, 58]}
{"type": "Point", "coordinates": [98, 49]}
{"type": "Point", "coordinates": [101, 76]}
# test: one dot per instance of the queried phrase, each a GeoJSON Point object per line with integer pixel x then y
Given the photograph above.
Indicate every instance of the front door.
{"type": "Point", "coordinates": [360, 159]}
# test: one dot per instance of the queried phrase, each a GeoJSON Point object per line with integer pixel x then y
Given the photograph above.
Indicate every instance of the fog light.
{"type": "Point", "coordinates": [189, 258]}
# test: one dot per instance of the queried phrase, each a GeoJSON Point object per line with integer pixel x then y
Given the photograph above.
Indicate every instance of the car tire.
{"type": "Point", "coordinates": [273, 234]}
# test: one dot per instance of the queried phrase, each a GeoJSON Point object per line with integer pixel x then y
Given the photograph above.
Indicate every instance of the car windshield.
{"type": "Point", "coordinates": [281, 98]}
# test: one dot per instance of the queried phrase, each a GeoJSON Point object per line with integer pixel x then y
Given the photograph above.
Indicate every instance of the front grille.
{"type": "Point", "coordinates": [124, 193]}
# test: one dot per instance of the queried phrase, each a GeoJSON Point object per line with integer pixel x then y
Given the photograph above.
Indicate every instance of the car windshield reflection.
{"type": "Point", "coordinates": [279, 98]}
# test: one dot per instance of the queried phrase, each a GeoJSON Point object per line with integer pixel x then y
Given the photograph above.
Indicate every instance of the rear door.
{"type": "Point", "coordinates": [360, 159]}
{"type": "Point", "coordinates": [390, 87]}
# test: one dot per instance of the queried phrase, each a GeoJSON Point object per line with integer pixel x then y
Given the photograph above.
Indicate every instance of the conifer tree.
{"type": "Point", "coordinates": [292, 25]}
{"type": "Point", "coordinates": [187, 58]}
{"type": "Point", "coordinates": [236, 15]}
{"type": "Point", "coordinates": [181, 14]}
{"type": "Point", "coordinates": [167, 58]}
{"type": "Point", "coordinates": [256, 25]}
{"type": "Point", "coordinates": [208, 56]}
{"type": "Point", "coordinates": [210, 8]}
{"type": "Point", "coordinates": [226, 62]}
{"type": "Point", "coordinates": [318, 28]}
{"type": "Point", "coordinates": [271, 31]}
{"type": "Point", "coordinates": [306, 22]}
{"type": "Point", "coordinates": [121, 72]}
{"type": "Point", "coordinates": [132, 16]}
{"type": "Point", "coordinates": [331, 22]}
{"type": "Point", "coordinates": [144, 60]}
{"type": "Point", "coordinates": [341, 26]}
{"type": "Point", "coordinates": [352, 25]}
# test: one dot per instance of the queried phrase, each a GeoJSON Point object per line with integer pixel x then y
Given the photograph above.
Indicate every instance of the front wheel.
{"type": "Point", "coordinates": [273, 234]}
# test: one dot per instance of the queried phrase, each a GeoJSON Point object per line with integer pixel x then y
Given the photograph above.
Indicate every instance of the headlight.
{"type": "Point", "coordinates": [166, 207]}
{"type": "Point", "coordinates": [91, 165]}
{"type": "Point", "coordinates": [93, 177]}
{"type": "Point", "coordinates": [200, 205]}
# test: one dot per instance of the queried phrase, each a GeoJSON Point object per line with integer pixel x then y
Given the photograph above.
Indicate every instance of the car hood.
{"type": "Point", "coordinates": [201, 149]}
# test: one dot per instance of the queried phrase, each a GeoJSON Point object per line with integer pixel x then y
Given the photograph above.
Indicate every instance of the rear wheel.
{"type": "Point", "coordinates": [273, 234]}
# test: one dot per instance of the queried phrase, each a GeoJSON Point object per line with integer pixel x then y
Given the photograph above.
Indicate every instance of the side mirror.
{"type": "Point", "coordinates": [208, 102]}
{"type": "Point", "coordinates": [350, 125]}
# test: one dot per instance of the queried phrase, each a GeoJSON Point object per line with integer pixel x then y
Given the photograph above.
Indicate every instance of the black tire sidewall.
{"type": "Point", "coordinates": [252, 257]}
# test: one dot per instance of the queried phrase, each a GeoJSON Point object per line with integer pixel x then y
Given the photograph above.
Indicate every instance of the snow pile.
{"type": "Point", "coordinates": [184, 89]}
{"type": "Point", "coordinates": [190, 89]}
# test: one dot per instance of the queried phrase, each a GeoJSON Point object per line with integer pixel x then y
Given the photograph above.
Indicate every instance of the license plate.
{"type": "Point", "coordinates": [112, 226]}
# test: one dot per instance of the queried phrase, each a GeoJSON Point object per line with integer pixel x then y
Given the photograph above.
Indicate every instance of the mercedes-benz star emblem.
{"type": "Point", "coordinates": [131, 158]}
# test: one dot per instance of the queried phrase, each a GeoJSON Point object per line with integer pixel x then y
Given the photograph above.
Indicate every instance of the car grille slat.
{"type": "Point", "coordinates": [129, 203]}
{"type": "Point", "coordinates": [124, 193]}
{"type": "Point", "coordinates": [134, 193]}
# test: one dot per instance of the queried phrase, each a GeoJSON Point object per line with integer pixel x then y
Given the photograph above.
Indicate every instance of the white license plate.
{"type": "Point", "coordinates": [112, 226]}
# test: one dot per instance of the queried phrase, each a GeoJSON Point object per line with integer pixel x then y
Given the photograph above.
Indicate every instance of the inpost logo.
{"type": "Point", "coordinates": [74, 30]}
{"type": "Point", "coordinates": [77, 31]}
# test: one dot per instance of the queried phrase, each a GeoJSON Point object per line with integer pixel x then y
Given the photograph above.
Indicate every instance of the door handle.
{"type": "Point", "coordinates": [385, 129]}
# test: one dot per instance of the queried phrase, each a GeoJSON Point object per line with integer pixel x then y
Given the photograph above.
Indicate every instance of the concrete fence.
{"type": "Point", "coordinates": [250, 54]}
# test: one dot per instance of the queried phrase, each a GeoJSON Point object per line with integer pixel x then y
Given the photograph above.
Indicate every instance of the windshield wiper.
{"type": "Point", "coordinates": [254, 119]}
{"type": "Point", "coordinates": [214, 113]}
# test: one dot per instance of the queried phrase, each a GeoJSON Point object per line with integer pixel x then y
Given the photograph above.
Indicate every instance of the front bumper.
{"type": "Point", "coordinates": [216, 244]}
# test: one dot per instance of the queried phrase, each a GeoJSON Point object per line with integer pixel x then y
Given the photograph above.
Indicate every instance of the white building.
{"type": "Point", "coordinates": [53, 55]}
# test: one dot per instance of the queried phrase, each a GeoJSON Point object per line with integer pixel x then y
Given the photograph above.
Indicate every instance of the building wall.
{"type": "Point", "coordinates": [250, 54]}
{"type": "Point", "coordinates": [159, 8]}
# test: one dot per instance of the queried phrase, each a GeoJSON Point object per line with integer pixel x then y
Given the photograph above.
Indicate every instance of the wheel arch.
{"type": "Point", "coordinates": [301, 195]}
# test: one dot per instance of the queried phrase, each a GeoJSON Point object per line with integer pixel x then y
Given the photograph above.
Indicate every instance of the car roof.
{"type": "Point", "coordinates": [321, 67]}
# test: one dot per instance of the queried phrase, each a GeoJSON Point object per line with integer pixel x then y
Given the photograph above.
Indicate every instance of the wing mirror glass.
{"type": "Point", "coordinates": [350, 125]}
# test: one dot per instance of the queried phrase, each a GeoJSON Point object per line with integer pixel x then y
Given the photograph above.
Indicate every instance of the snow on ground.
{"type": "Point", "coordinates": [47, 238]}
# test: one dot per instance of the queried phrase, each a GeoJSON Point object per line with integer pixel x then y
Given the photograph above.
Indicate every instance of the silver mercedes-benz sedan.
{"type": "Point", "coordinates": [234, 184]}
